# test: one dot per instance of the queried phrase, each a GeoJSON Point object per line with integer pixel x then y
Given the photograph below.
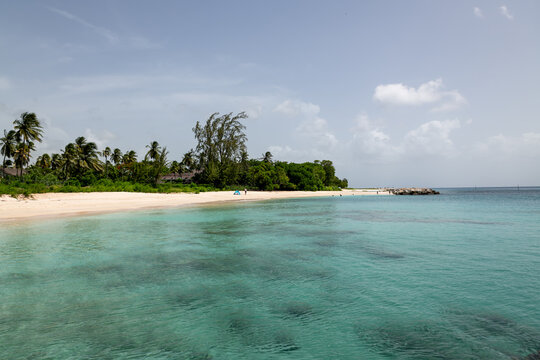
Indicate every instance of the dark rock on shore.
{"type": "Point", "coordinates": [413, 191]}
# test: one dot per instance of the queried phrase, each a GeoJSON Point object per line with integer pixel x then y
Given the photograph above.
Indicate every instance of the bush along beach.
{"type": "Point", "coordinates": [220, 161]}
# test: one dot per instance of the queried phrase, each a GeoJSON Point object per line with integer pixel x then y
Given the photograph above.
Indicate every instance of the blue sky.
{"type": "Point", "coordinates": [424, 93]}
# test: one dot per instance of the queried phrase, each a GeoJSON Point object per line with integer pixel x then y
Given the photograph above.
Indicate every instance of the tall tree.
{"type": "Point", "coordinates": [188, 161]}
{"type": "Point", "coordinates": [129, 157]}
{"type": "Point", "coordinates": [22, 155]}
{"type": "Point", "coordinates": [267, 157]}
{"type": "Point", "coordinates": [106, 153]}
{"type": "Point", "coordinates": [8, 146]}
{"type": "Point", "coordinates": [44, 161]}
{"type": "Point", "coordinates": [153, 152]}
{"type": "Point", "coordinates": [160, 164]}
{"type": "Point", "coordinates": [221, 141]}
{"type": "Point", "coordinates": [87, 155]}
{"type": "Point", "coordinates": [28, 129]}
{"type": "Point", "coordinates": [69, 161]}
{"type": "Point", "coordinates": [56, 161]}
{"type": "Point", "coordinates": [116, 156]}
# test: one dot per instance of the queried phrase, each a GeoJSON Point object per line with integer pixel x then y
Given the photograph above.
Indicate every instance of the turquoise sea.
{"type": "Point", "coordinates": [454, 276]}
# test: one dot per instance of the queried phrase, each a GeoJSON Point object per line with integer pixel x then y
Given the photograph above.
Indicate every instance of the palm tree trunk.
{"type": "Point", "coordinates": [4, 167]}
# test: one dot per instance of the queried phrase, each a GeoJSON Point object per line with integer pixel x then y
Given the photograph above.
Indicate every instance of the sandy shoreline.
{"type": "Point", "coordinates": [53, 205]}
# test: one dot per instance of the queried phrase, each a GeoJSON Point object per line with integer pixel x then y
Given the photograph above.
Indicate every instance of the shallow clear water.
{"type": "Point", "coordinates": [455, 276]}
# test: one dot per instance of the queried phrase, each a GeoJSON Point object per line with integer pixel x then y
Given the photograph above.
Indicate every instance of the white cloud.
{"type": "Point", "coordinates": [290, 154]}
{"type": "Point", "coordinates": [54, 138]}
{"type": "Point", "coordinates": [526, 145]}
{"type": "Point", "coordinates": [313, 138]}
{"type": "Point", "coordinates": [478, 13]}
{"type": "Point", "coordinates": [106, 33]}
{"type": "Point", "coordinates": [430, 92]}
{"type": "Point", "coordinates": [102, 139]}
{"type": "Point", "coordinates": [313, 126]}
{"type": "Point", "coordinates": [371, 143]}
{"type": "Point", "coordinates": [506, 13]}
{"type": "Point", "coordinates": [295, 107]}
{"type": "Point", "coordinates": [4, 83]}
{"type": "Point", "coordinates": [317, 130]}
{"type": "Point", "coordinates": [432, 138]}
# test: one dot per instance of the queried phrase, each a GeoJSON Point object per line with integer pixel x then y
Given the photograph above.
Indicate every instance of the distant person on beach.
{"type": "Point", "coordinates": [245, 191]}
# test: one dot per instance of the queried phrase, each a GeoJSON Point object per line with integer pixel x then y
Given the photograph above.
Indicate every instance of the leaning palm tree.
{"type": "Point", "coordinates": [8, 146]}
{"type": "Point", "coordinates": [153, 152]}
{"type": "Point", "coordinates": [28, 129]}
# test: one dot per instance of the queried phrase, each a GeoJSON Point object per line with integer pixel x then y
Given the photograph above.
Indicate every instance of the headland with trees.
{"type": "Point", "coordinates": [220, 161]}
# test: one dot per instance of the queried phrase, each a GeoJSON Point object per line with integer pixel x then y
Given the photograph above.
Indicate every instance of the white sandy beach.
{"type": "Point", "coordinates": [72, 204]}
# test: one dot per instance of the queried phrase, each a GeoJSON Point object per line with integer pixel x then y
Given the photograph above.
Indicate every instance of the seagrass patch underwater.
{"type": "Point", "coordinates": [453, 276]}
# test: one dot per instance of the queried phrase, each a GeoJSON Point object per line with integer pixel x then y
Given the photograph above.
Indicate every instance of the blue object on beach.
{"type": "Point", "coordinates": [236, 192]}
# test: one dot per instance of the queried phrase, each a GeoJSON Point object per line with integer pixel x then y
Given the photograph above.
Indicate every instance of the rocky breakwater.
{"type": "Point", "coordinates": [413, 191]}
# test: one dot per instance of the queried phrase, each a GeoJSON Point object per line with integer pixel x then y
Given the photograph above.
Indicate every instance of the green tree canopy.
{"type": "Point", "coordinates": [220, 144]}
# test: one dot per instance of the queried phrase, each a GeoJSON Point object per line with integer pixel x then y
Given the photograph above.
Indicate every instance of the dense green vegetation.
{"type": "Point", "coordinates": [219, 161]}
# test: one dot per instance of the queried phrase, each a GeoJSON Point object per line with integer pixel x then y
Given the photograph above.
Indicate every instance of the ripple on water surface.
{"type": "Point", "coordinates": [449, 277]}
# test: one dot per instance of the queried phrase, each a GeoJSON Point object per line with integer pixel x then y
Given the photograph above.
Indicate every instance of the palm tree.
{"type": "Point", "coordinates": [22, 155]}
{"type": "Point", "coordinates": [106, 153]}
{"type": "Point", "coordinates": [160, 163]}
{"type": "Point", "coordinates": [267, 157]}
{"type": "Point", "coordinates": [56, 161]}
{"type": "Point", "coordinates": [129, 157]}
{"type": "Point", "coordinates": [28, 129]}
{"type": "Point", "coordinates": [116, 156]}
{"type": "Point", "coordinates": [8, 143]}
{"type": "Point", "coordinates": [68, 162]}
{"type": "Point", "coordinates": [153, 152]}
{"type": "Point", "coordinates": [44, 161]}
{"type": "Point", "coordinates": [188, 161]}
{"type": "Point", "coordinates": [176, 167]}
{"type": "Point", "coordinates": [87, 155]}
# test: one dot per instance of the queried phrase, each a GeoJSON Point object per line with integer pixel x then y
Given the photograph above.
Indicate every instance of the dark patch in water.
{"type": "Point", "coordinates": [297, 310]}
{"type": "Point", "coordinates": [420, 341]}
{"type": "Point", "coordinates": [280, 342]}
{"type": "Point", "coordinates": [193, 298]}
{"type": "Point", "coordinates": [532, 356]}
{"type": "Point", "coordinates": [328, 243]}
{"type": "Point", "coordinates": [489, 325]}
{"type": "Point", "coordinates": [382, 254]}
{"type": "Point", "coordinates": [238, 324]}
{"type": "Point", "coordinates": [285, 342]}
{"type": "Point", "coordinates": [200, 356]}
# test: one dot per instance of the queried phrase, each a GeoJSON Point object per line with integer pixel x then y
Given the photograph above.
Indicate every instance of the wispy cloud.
{"type": "Point", "coordinates": [136, 42]}
{"type": "Point", "coordinates": [506, 13]}
{"type": "Point", "coordinates": [477, 12]}
{"type": "Point", "coordinates": [106, 33]}
{"type": "Point", "coordinates": [431, 92]}
{"type": "Point", "coordinates": [312, 126]}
